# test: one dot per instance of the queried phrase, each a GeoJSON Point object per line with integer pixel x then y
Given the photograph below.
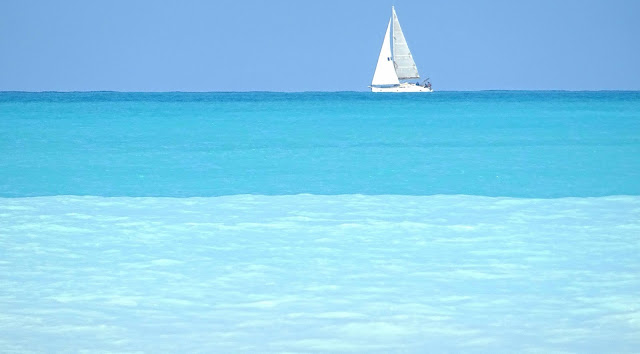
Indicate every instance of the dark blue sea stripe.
{"type": "Point", "coordinates": [493, 143]}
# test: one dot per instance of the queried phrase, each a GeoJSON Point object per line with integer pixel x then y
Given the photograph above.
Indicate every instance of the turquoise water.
{"type": "Point", "coordinates": [521, 144]}
{"type": "Point", "coordinates": [454, 222]}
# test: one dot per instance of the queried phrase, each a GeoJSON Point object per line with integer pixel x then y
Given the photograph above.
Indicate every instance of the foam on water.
{"type": "Point", "coordinates": [310, 273]}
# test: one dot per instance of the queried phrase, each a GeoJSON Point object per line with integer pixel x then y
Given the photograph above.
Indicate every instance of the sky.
{"type": "Point", "coordinates": [328, 45]}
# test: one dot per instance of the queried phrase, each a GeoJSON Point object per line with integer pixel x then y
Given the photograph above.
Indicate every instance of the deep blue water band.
{"type": "Point", "coordinates": [501, 143]}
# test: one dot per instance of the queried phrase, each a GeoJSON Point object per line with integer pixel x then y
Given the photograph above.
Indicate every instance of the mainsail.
{"type": "Point", "coordinates": [385, 72]}
{"type": "Point", "coordinates": [404, 64]}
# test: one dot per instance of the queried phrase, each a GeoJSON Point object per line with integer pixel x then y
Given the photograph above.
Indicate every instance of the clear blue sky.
{"type": "Point", "coordinates": [293, 45]}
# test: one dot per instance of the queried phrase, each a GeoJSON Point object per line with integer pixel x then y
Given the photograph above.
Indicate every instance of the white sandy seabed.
{"type": "Point", "coordinates": [308, 273]}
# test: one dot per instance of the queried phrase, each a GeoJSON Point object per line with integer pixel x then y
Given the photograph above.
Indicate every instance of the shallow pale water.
{"type": "Point", "coordinates": [321, 273]}
{"type": "Point", "coordinates": [452, 222]}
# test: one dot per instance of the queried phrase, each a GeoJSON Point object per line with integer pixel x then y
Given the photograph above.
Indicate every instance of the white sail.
{"type": "Point", "coordinates": [385, 72]}
{"type": "Point", "coordinates": [404, 64]}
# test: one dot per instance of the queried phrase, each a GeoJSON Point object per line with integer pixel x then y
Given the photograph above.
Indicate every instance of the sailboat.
{"type": "Point", "coordinates": [392, 68]}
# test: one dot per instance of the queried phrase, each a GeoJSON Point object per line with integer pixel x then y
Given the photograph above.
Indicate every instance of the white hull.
{"type": "Point", "coordinates": [402, 88]}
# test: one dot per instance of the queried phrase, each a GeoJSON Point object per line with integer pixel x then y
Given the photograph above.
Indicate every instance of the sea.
{"type": "Point", "coordinates": [320, 222]}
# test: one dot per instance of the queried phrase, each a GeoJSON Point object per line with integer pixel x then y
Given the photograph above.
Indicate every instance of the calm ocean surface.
{"type": "Point", "coordinates": [521, 144]}
{"type": "Point", "coordinates": [452, 222]}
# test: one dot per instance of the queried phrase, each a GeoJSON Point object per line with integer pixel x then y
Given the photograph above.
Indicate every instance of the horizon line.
{"type": "Point", "coordinates": [314, 91]}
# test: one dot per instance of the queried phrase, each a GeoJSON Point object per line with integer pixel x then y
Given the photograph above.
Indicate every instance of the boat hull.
{"type": "Point", "coordinates": [402, 88]}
